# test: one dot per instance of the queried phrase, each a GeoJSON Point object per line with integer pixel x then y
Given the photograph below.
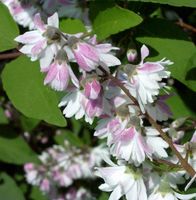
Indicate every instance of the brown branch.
{"type": "Point", "coordinates": [186, 26]}
{"type": "Point", "coordinates": [12, 55]}
{"type": "Point", "coordinates": [183, 161]}
{"type": "Point", "coordinates": [168, 163]}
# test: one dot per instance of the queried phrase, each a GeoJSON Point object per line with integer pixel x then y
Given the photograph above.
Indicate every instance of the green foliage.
{"type": "Point", "coordinates": [8, 188]}
{"type": "Point", "coordinates": [168, 40]}
{"type": "Point", "coordinates": [69, 136]}
{"type": "Point", "coordinates": [24, 86]}
{"type": "Point", "coordinates": [8, 29]}
{"type": "Point", "coordinates": [72, 26]}
{"type": "Point", "coordinates": [178, 106]}
{"type": "Point", "coordinates": [28, 124]}
{"type": "Point", "coordinates": [3, 119]}
{"type": "Point", "coordinates": [36, 194]}
{"type": "Point", "coordinates": [188, 3]}
{"type": "Point", "coordinates": [14, 149]}
{"type": "Point", "coordinates": [114, 20]}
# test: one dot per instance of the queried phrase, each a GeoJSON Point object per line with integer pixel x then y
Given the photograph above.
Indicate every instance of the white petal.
{"type": "Point", "coordinates": [54, 20]}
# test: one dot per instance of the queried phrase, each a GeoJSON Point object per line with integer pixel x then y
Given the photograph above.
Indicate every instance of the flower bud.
{"type": "Point", "coordinates": [131, 55]}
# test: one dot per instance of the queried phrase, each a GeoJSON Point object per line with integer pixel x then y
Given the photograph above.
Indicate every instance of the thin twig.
{"type": "Point", "coordinates": [186, 26]}
{"type": "Point", "coordinates": [183, 161]}
{"type": "Point", "coordinates": [5, 56]}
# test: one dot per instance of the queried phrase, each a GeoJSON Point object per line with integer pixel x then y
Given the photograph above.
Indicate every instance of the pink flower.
{"type": "Point", "coordinates": [131, 55]}
{"type": "Point", "coordinates": [144, 80]}
{"type": "Point", "coordinates": [41, 43]}
{"type": "Point", "coordinates": [58, 75]}
{"type": "Point", "coordinates": [92, 89]}
{"type": "Point", "coordinates": [86, 56]}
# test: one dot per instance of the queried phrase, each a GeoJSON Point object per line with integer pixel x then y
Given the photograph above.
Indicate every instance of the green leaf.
{"type": "Point", "coordinates": [114, 20]}
{"type": "Point", "coordinates": [72, 26]}
{"type": "Point", "coordinates": [9, 29]}
{"type": "Point", "coordinates": [104, 196]}
{"type": "Point", "coordinates": [3, 119]}
{"type": "Point", "coordinates": [178, 106]}
{"type": "Point", "coordinates": [28, 124]}
{"type": "Point", "coordinates": [8, 188]}
{"type": "Point", "coordinates": [23, 83]}
{"type": "Point", "coordinates": [14, 149]}
{"type": "Point", "coordinates": [171, 43]}
{"type": "Point", "coordinates": [187, 3]}
{"type": "Point", "coordinates": [70, 136]}
{"type": "Point", "coordinates": [36, 194]}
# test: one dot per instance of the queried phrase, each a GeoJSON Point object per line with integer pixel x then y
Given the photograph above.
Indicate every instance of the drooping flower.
{"type": "Point", "coordinates": [144, 80]}
{"type": "Point", "coordinates": [121, 181]}
{"type": "Point", "coordinates": [90, 55]}
{"type": "Point", "coordinates": [59, 72]}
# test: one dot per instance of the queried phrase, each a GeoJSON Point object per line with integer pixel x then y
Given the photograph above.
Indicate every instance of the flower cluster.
{"type": "Point", "coordinates": [123, 102]}
{"type": "Point", "coordinates": [62, 165]}
{"type": "Point", "coordinates": [23, 11]}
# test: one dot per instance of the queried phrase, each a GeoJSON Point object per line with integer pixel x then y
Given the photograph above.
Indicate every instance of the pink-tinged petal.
{"type": "Point", "coordinates": [193, 139]}
{"type": "Point", "coordinates": [127, 134]}
{"type": "Point", "coordinates": [38, 47]}
{"type": "Point", "coordinates": [109, 60]}
{"type": "Point", "coordinates": [92, 89]}
{"type": "Point", "coordinates": [150, 67]}
{"type": "Point", "coordinates": [54, 20]}
{"type": "Point", "coordinates": [105, 48]}
{"type": "Point", "coordinates": [29, 37]}
{"type": "Point", "coordinates": [131, 55]}
{"type": "Point", "coordinates": [93, 40]}
{"type": "Point", "coordinates": [39, 24]}
{"type": "Point", "coordinates": [144, 52]}
{"type": "Point", "coordinates": [51, 73]}
{"type": "Point", "coordinates": [83, 62]}
{"type": "Point", "coordinates": [88, 51]}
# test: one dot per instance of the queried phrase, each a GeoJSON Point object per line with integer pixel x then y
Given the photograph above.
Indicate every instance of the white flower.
{"type": "Point", "coordinates": [144, 80]}
{"type": "Point", "coordinates": [156, 143]}
{"type": "Point", "coordinates": [121, 181]}
{"type": "Point", "coordinates": [42, 42]}
{"type": "Point", "coordinates": [22, 13]}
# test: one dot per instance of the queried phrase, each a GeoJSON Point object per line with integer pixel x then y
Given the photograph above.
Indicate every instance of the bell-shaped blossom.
{"type": "Point", "coordinates": [121, 181]}
{"type": "Point", "coordinates": [159, 110]}
{"type": "Point", "coordinates": [59, 72]}
{"type": "Point", "coordinates": [92, 89]}
{"type": "Point", "coordinates": [144, 80]}
{"type": "Point", "coordinates": [156, 143]}
{"type": "Point", "coordinates": [42, 42]}
{"type": "Point", "coordinates": [125, 142]}
{"type": "Point", "coordinates": [23, 13]}
{"type": "Point", "coordinates": [90, 55]}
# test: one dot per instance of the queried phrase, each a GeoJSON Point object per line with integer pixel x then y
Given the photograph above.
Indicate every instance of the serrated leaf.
{"type": "Point", "coordinates": [9, 29]}
{"type": "Point", "coordinates": [8, 188]}
{"type": "Point", "coordinates": [114, 20]}
{"type": "Point", "coordinates": [14, 149]}
{"type": "Point", "coordinates": [72, 26]}
{"type": "Point", "coordinates": [23, 83]}
{"type": "Point", "coordinates": [171, 43]}
{"type": "Point", "coordinates": [187, 3]}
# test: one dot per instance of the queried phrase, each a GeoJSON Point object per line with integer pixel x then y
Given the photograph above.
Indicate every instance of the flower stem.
{"type": "Point", "coordinates": [182, 160]}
